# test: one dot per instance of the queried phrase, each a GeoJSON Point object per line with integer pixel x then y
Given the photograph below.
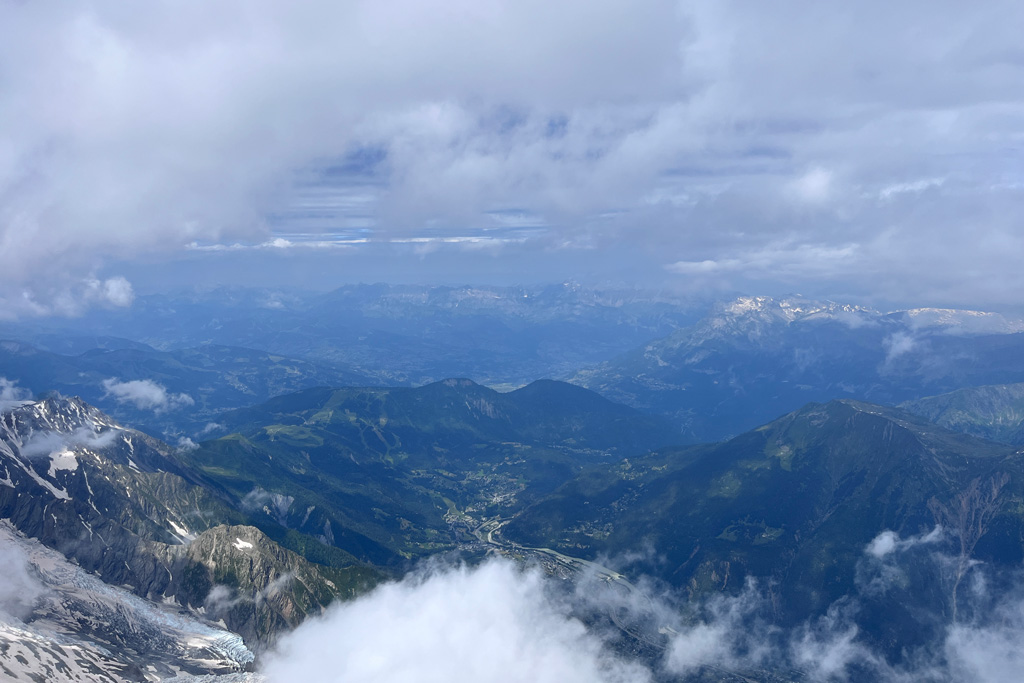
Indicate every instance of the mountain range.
{"type": "Point", "coordinates": [167, 392]}
{"type": "Point", "coordinates": [396, 334]}
{"type": "Point", "coordinates": [756, 357]}
{"type": "Point", "coordinates": [134, 559]}
{"type": "Point", "coordinates": [119, 504]}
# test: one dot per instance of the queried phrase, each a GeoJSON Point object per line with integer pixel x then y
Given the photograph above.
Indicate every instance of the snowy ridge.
{"type": "Point", "coordinates": [45, 441]}
{"type": "Point", "coordinates": [964, 322]}
{"type": "Point", "coordinates": [754, 317]}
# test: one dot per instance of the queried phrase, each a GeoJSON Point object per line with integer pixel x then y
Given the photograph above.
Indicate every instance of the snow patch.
{"type": "Point", "coordinates": [62, 460]}
{"type": "Point", "coordinates": [242, 545]}
{"type": "Point", "coordinates": [181, 531]}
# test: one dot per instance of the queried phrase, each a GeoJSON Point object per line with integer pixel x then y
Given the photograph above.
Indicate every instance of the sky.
{"type": "Point", "coordinates": [856, 151]}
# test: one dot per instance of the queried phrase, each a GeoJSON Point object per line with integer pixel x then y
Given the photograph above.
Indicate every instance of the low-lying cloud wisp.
{"type": "Point", "coordinates": [145, 394]}
{"type": "Point", "coordinates": [11, 395]}
{"type": "Point", "coordinates": [499, 622]}
{"type": "Point", "coordinates": [48, 442]}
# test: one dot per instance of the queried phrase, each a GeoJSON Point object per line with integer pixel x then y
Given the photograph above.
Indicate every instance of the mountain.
{"type": "Point", "coordinates": [756, 357]}
{"type": "Point", "coordinates": [394, 334]}
{"type": "Point", "coordinates": [175, 392]}
{"type": "Point", "coordinates": [795, 503]}
{"type": "Point", "coordinates": [318, 495]}
{"type": "Point", "coordinates": [388, 474]}
{"type": "Point", "coordinates": [59, 622]}
{"type": "Point", "coordinates": [121, 505]}
{"type": "Point", "coordinates": [993, 412]}
{"type": "Point", "coordinates": [187, 547]}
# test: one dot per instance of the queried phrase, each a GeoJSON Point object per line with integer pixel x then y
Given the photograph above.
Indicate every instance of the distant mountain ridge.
{"type": "Point", "coordinates": [396, 334]}
{"type": "Point", "coordinates": [757, 356]}
{"type": "Point", "coordinates": [211, 379]}
{"type": "Point", "coordinates": [993, 412]}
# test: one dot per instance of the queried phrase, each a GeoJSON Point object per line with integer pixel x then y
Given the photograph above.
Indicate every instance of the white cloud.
{"type": "Point", "coordinates": [706, 266]}
{"type": "Point", "coordinates": [223, 598]}
{"type": "Point", "coordinates": [827, 648]}
{"type": "Point", "coordinates": [990, 653]}
{"type": "Point", "coordinates": [889, 541]}
{"type": "Point", "coordinates": [276, 504]}
{"type": "Point", "coordinates": [145, 129]}
{"type": "Point", "coordinates": [493, 623]}
{"type": "Point", "coordinates": [728, 633]}
{"type": "Point", "coordinates": [63, 293]}
{"type": "Point", "coordinates": [899, 344]}
{"type": "Point", "coordinates": [647, 133]}
{"type": "Point", "coordinates": [497, 622]}
{"type": "Point", "coordinates": [118, 291]}
{"type": "Point", "coordinates": [145, 394]}
{"type": "Point", "coordinates": [912, 186]}
{"type": "Point", "coordinates": [19, 588]}
{"type": "Point", "coordinates": [186, 444]}
{"type": "Point", "coordinates": [781, 261]}
{"type": "Point", "coordinates": [46, 443]}
{"type": "Point", "coordinates": [813, 187]}
{"type": "Point", "coordinates": [210, 428]}
{"type": "Point", "coordinates": [11, 395]}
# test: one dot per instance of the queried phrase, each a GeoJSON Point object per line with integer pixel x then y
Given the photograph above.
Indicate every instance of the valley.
{"type": "Point", "coordinates": [302, 497]}
{"type": "Point", "coordinates": [511, 342]}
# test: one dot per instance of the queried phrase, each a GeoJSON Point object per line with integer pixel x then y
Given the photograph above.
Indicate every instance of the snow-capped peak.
{"type": "Point", "coordinates": [958, 321]}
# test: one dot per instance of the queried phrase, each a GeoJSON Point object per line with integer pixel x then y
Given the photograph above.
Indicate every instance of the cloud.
{"type": "Point", "coordinates": [634, 135]}
{"type": "Point", "coordinates": [899, 344]}
{"type": "Point", "coordinates": [146, 130]}
{"type": "Point", "coordinates": [145, 394]}
{"type": "Point", "coordinates": [889, 542]}
{"type": "Point", "coordinates": [117, 291]}
{"type": "Point", "coordinates": [726, 631]}
{"type": "Point", "coordinates": [11, 395]}
{"type": "Point", "coordinates": [209, 428]}
{"type": "Point", "coordinates": [961, 322]}
{"type": "Point", "coordinates": [186, 444]}
{"type": "Point", "coordinates": [221, 599]}
{"type": "Point", "coordinates": [47, 442]}
{"type": "Point", "coordinates": [828, 647]}
{"type": "Point", "coordinates": [782, 261]}
{"type": "Point", "coordinates": [499, 622]}
{"type": "Point", "coordinates": [813, 187]}
{"type": "Point", "coordinates": [65, 295]}
{"type": "Point", "coordinates": [989, 653]}
{"type": "Point", "coordinates": [492, 623]}
{"type": "Point", "coordinates": [19, 588]}
{"type": "Point", "coordinates": [276, 504]}
{"type": "Point", "coordinates": [912, 186]}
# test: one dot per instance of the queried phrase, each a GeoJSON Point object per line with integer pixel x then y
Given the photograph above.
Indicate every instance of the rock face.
{"type": "Point", "coordinates": [119, 504]}
{"type": "Point", "coordinates": [258, 587]}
